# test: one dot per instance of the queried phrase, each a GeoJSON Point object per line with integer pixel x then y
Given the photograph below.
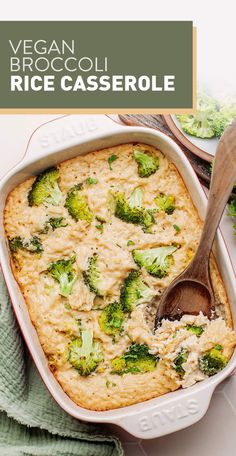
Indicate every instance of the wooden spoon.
{"type": "Point", "coordinates": [191, 292]}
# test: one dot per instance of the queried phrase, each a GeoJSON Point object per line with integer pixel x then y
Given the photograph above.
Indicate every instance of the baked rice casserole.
{"type": "Point", "coordinates": [92, 242]}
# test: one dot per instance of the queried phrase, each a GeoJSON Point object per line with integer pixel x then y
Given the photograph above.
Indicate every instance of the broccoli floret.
{"type": "Point", "coordinates": [177, 228]}
{"type": "Point", "coordinates": [180, 359]}
{"type": "Point", "coordinates": [100, 227]}
{"type": "Point", "coordinates": [57, 222]}
{"type": "Point", "coordinates": [134, 291]}
{"type": "Point", "coordinates": [223, 119]}
{"type": "Point", "coordinates": [85, 354]}
{"type": "Point", "coordinates": [220, 124]}
{"type": "Point", "coordinates": [147, 163]}
{"type": "Point", "coordinates": [212, 361]}
{"type": "Point", "coordinates": [33, 245]}
{"type": "Point", "coordinates": [156, 261]}
{"type": "Point", "coordinates": [77, 205]}
{"type": "Point", "coordinates": [136, 198]}
{"type": "Point", "coordinates": [165, 203]}
{"type": "Point", "coordinates": [112, 319]}
{"type": "Point", "coordinates": [201, 123]}
{"type": "Point", "coordinates": [197, 330]}
{"type": "Point", "coordinates": [118, 365]}
{"type": "Point", "coordinates": [210, 120]}
{"type": "Point", "coordinates": [91, 275]}
{"type": "Point", "coordinates": [62, 271]}
{"type": "Point", "coordinates": [206, 102]}
{"type": "Point", "coordinates": [91, 180]}
{"type": "Point", "coordinates": [16, 243]}
{"type": "Point", "coordinates": [232, 210]}
{"type": "Point", "coordinates": [54, 223]}
{"type": "Point", "coordinates": [111, 159]}
{"type": "Point", "coordinates": [136, 359]}
{"type": "Point", "coordinates": [136, 215]}
{"type": "Point", "coordinates": [130, 242]}
{"type": "Point", "coordinates": [45, 189]}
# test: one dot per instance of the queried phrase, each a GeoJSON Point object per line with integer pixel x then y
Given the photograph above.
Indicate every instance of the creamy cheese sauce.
{"type": "Point", "coordinates": [56, 318]}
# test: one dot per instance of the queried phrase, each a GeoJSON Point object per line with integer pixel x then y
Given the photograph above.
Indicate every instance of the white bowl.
{"type": "Point", "coordinates": [68, 137]}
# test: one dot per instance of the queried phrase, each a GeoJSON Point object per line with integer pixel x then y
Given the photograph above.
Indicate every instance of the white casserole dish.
{"type": "Point", "coordinates": [65, 138]}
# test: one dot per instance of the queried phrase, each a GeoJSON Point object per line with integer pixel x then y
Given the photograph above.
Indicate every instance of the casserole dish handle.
{"type": "Point", "coordinates": [170, 415]}
{"type": "Point", "coordinates": [65, 131]}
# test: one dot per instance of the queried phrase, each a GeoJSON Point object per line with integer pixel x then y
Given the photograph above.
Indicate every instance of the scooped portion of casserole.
{"type": "Point", "coordinates": [92, 242]}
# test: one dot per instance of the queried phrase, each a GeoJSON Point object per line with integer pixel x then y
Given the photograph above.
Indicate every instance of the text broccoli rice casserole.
{"type": "Point", "coordinates": [94, 243]}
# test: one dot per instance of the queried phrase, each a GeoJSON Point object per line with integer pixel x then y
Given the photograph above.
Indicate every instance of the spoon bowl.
{"type": "Point", "coordinates": [192, 292]}
{"type": "Point", "coordinates": [176, 301]}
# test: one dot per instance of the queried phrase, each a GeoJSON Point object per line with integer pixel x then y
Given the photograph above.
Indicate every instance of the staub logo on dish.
{"type": "Point", "coordinates": [61, 136]}
{"type": "Point", "coordinates": [168, 415]}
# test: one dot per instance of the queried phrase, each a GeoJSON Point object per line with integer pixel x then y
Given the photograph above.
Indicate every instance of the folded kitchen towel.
{"type": "Point", "coordinates": [31, 422]}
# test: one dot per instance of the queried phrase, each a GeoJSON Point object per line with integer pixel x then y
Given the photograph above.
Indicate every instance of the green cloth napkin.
{"type": "Point", "coordinates": [31, 422]}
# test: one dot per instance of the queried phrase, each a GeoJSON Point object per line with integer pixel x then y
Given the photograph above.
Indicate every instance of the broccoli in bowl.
{"type": "Point", "coordinates": [210, 120]}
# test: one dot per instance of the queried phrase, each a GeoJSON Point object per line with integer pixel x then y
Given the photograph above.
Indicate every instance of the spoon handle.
{"type": "Point", "coordinates": [222, 181]}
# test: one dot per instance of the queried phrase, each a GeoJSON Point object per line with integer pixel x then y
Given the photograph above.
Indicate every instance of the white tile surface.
{"type": "Point", "coordinates": [133, 449]}
{"type": "Point", "coordinates": [215, 434]}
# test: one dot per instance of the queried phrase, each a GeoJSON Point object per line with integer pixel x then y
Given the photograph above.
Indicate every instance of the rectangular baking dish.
{"type": "Point", "coordinates": [67, 137]}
